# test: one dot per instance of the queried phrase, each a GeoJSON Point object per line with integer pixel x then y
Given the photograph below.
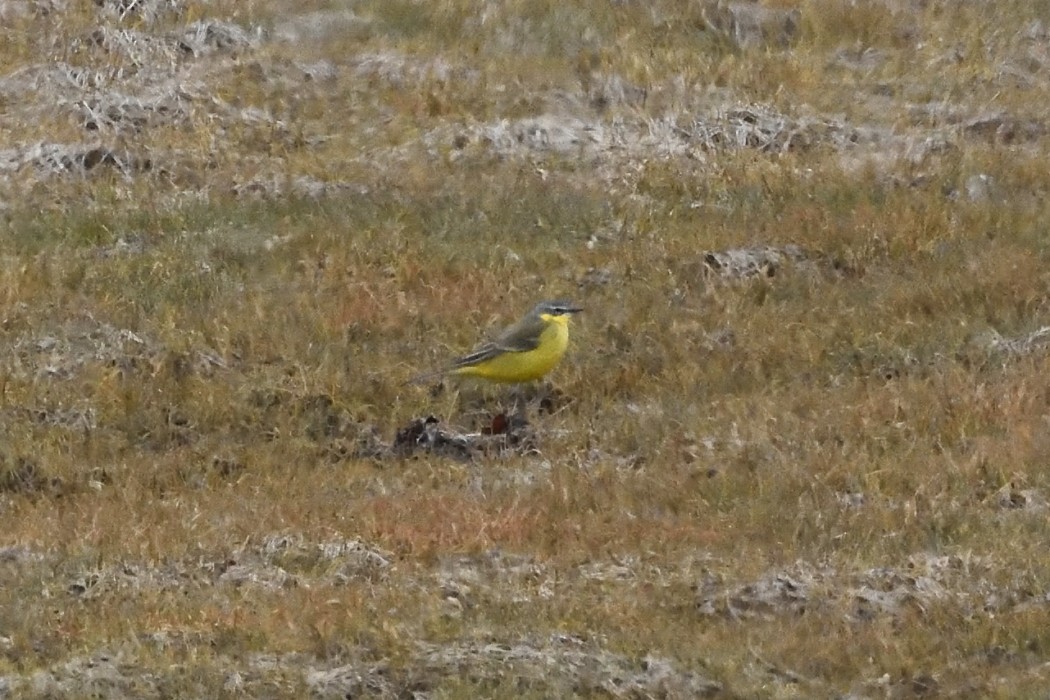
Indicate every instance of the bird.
{"type": "Point", "coordinates": [523, 352]}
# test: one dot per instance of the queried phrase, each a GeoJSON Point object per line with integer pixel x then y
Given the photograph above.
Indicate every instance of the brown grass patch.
{"type": "Point", "coordinates": [797, 446]}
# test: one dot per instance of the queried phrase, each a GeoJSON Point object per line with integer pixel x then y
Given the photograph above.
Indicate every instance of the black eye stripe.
{"type": "Point", "coordinates": [552, 308]}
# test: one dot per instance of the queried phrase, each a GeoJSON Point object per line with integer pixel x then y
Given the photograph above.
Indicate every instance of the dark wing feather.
{"type": "Point", "coordinates": [521, 337]}
{"type": "Point", "coordinates": [485, 352]}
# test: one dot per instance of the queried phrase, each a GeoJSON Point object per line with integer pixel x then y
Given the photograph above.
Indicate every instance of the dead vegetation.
{"type": "Point", "coordinates": [798, 446]}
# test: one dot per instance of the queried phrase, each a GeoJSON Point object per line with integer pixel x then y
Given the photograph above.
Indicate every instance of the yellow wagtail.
{"type": "Point", "coordinates": [523, 352]}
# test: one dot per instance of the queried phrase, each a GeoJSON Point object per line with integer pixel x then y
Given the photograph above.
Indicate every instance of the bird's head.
{"type": "Point", "coordinates": [558, 310]}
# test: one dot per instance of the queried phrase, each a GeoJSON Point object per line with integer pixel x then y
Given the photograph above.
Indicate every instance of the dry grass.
{"type": "Point", "coordinates": [798, 447]}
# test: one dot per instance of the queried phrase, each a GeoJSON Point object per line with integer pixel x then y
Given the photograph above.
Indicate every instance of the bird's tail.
{"type": "Point", "coordinates": [426, 376]}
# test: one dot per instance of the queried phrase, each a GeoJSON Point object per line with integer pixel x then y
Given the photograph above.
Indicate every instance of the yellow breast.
{"type": "Point", "coordinates": [513, 367]}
